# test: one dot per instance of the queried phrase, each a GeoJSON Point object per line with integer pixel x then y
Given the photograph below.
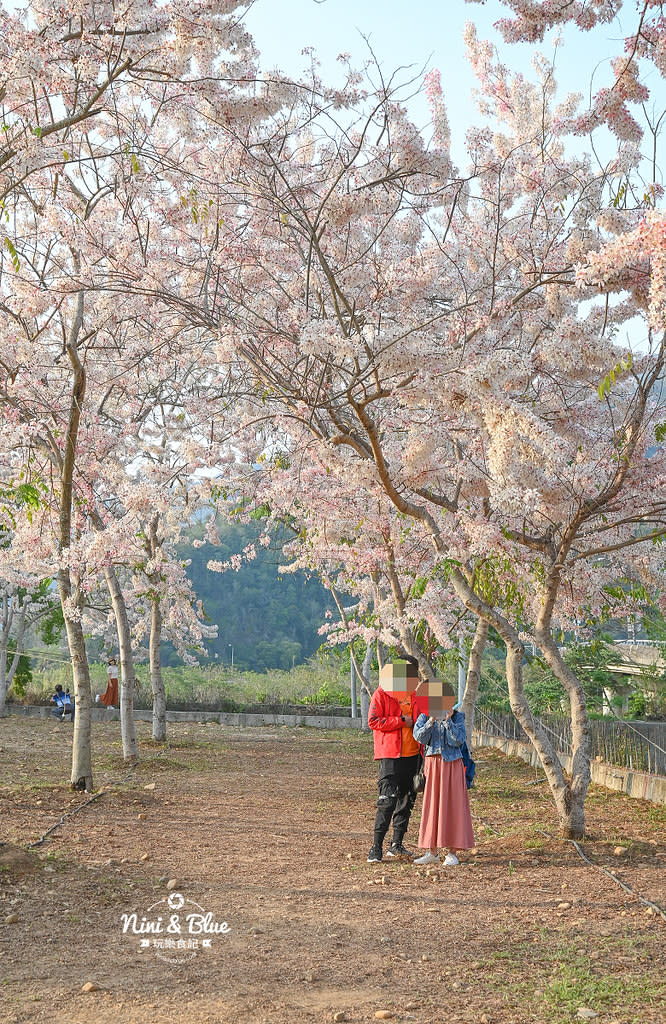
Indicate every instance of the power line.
{"type": "Point", "coordinates": [37, 653]}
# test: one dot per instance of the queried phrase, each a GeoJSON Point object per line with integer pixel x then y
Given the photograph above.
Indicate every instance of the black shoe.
{"type": "Point", "coordinates": [398, 850]}
{"type": "Point", "coordinates": [375, 855]}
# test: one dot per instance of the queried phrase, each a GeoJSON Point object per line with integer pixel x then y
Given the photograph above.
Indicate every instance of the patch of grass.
{"type": "Point", "coordinates": [57, 862]}
{"type": "Point", "coordinates": [577, 985]}
{"type": "Point", "coordinates": [535, 834]}
{"type": "Point", "coordinates": [39, 787]}
{"type": "Point", "coordinates": [657, 814]}
{"type": "Point", "coordinates": [557, 981]}
{"type": "Point", "coordinates": [190, 745]}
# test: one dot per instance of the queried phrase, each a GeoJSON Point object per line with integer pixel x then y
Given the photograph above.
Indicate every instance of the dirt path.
{"type": "Point", "coordinates": [267, 831]}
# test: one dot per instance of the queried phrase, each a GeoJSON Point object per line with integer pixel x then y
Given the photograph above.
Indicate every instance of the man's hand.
{"type": "Point", "coordinates": [408, 720]}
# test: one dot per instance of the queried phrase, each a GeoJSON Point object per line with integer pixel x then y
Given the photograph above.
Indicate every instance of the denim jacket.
{"type": "Point", "coordinates": [442, 737]}
{"type": "Point", "coordinates": [62, 699]}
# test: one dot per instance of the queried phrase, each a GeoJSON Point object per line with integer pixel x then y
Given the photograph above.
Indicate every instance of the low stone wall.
{"type": "Point", "coordinates": [637, 784]}
{"type": "Point", "coordinates": [100, 714]}
{"type": "Point", "coordinates": [640, 785]}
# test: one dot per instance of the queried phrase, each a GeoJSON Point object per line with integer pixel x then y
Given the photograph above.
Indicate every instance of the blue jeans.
{"type": "Point", "coordinates": [61, 712]}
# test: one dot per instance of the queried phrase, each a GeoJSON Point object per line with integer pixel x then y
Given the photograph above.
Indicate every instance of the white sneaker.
{"type": "Point", "coordinates": [96, 698]}
{"type": "Point", "coordinates": [427, 858]}
{"type": "Point", "coordinates": [451, 860]}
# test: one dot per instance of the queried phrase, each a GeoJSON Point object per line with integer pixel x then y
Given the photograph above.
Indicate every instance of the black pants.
{"type": "Point", "coordinates": [396, 796]}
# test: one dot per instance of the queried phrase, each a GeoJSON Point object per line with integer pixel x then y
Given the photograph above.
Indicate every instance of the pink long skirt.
{"type": "Point", "coordinates": [445, 819]}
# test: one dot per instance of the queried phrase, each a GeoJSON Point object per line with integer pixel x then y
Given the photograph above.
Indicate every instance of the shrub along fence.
{"type": "Point", "coordinates": [640, 746]}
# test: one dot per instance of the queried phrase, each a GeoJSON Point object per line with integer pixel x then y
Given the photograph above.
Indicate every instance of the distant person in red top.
{"type": "Point", "coordinates": [393, 710]}
{"type": "Point", "coordinates": [110, 696]}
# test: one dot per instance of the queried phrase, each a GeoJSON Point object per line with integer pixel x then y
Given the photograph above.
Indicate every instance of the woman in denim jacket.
{"type": "Point", "coordinates": [446, 821]}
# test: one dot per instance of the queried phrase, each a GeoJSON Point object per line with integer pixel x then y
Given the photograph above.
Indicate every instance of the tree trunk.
{"type": "Point", "coordinates": [153, 544]}
{"type": "Point", "coordinates": [12, 606]}
{"type": "Point", "coordinates": [580, 731]}
{"type": "Point", "coordinates": [71, 596]}
{"type": "Point", "coordinates": [156, 680]}
{"type": "Point", "coordinates": [20, 637]}
{"type": "Point", "coordinates": [127, 676]}
{"type": "Point", "coordinates": [474, 676]}
{"type": "Point", "coordinates": [571, 814]}
{"type": "Point", "coordinates": [4, 639]}
{"type": "Point", "coordinates": [7, 673]}
{"type": "Point", "coordinates": [82, 777]}
{"type": "Point", "coordinates": [365, 688]}
{"type": "Point", "coordinates": [363, 675]}
{"type": "Point", "coordinates": [571, 817]}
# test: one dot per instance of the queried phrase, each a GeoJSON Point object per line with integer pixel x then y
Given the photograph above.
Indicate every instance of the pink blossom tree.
{"type": "Point", "coordinates": [69, 74]}
{"type": "Point", "coordinates": [641, 30]}
{"type": "Point", "coordinates": [166, 605]}
{"type": "Point", "coordinates": [94, 106]}
{"type": "Point", "coordinates": [424, 336]}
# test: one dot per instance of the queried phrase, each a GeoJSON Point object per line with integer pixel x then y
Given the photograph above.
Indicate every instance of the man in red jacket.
{"type": "Point", "coordinates": [393, 708]}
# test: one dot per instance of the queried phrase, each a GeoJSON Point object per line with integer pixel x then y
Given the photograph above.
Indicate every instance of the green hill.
{"type": "Point", "coordinates": [269, 620]}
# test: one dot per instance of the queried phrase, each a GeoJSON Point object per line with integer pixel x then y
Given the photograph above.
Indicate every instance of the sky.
{"type": "Point", "coordinates": [418, 33]}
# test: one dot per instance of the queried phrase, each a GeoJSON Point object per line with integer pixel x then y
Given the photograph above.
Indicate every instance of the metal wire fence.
{"type": "Point", "coordinates": [637, 745]}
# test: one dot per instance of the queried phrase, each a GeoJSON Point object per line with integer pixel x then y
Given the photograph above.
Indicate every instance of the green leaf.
{"type": "Point", "coordinates": [9, 245]}
{"type": "Point", "coordinates": [261, 511]}
{"type": "Point", "coordinates": [609, 381]}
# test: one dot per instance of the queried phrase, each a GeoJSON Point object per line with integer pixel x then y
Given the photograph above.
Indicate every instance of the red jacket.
{"type": "Point", "coordinates": [385, 720]}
